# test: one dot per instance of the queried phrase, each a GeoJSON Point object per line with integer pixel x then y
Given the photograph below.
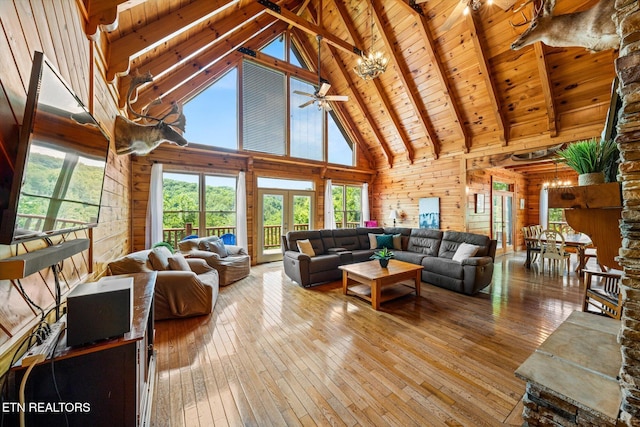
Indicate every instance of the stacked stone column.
{"type": "Point", "coordinates": [628, 69]}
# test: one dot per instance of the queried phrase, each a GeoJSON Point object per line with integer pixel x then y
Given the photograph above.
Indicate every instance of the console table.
{"type": "Point", "coordinates": [114, 378]}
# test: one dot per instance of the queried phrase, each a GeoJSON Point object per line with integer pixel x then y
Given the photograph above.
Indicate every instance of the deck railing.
{"type": "Point", "coordinates": [271, 233]}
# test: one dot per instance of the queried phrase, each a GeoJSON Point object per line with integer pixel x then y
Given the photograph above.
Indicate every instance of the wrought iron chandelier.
{"type": "Point", "coordinates": [375, 63]}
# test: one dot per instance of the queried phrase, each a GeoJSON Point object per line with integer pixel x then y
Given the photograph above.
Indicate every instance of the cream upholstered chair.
{"type": "Point", "coordinates": [552, 249]}
{"type": "Point", "coordinates": [602, 291]}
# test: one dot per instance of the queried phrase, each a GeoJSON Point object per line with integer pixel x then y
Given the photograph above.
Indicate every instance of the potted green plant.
{"type": "Point", "coordinates": [589, 158]}
{"type": "Point", "coordinates": [383, 256]}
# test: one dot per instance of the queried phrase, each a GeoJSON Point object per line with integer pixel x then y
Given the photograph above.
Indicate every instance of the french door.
{"type": "Point", "coordinates": [502, 220]}
{"type": "Point", "coordinates": [281, 211]}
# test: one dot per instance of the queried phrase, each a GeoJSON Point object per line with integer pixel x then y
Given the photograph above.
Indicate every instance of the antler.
{"type": "Point", "coordinates": [538, 8]}
{"type": "Point", "coordinates": [179, 122]}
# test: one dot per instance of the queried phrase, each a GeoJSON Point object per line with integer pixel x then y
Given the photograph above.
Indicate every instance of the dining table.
{"type": "Point", "coordinates": [580, 242]}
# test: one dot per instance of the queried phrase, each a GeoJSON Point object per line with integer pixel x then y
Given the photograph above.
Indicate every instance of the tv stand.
{"type": "Point", "coordinates": [107, 383]}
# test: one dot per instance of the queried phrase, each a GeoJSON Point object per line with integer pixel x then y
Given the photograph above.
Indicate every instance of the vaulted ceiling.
{"type": "Point", "coordinates": [445, 92]}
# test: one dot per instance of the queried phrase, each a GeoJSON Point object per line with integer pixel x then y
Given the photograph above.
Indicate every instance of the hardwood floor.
{"type": "Point", "coordinates": [275, 354]}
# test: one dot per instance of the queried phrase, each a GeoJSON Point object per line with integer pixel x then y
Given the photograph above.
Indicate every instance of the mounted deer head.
{"type": "Point", "coordinates": [592, 29]}
{"type": "Point", "coordinates": [141, 139]}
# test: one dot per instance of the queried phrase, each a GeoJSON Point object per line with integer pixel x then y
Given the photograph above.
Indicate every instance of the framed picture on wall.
{"type": "Point", "coordinates": [429, 212]}
{"type": "Point", "coordinates": [479, 203]}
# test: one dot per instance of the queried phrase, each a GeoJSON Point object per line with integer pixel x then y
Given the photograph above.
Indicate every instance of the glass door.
{"type": "Point", "coordinates": [281, 211]}
{"type": "Point", "coordinates": [502, 221]}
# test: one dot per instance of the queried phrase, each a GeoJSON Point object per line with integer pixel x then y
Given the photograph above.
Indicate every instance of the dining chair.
{"type": "Point", "coordinates": [533, 247]}
{"type": "Point", "coordinates": [602, 291]}
{"type": "Point", "coordinates": [552, 249]}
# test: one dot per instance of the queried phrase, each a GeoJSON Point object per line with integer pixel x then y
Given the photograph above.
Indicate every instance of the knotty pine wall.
{"type": "Point", "coordinates": [56, 27]}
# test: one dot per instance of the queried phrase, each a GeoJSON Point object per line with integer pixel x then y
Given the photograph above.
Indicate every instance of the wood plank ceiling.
{"type": "Point", "coordinates": [444, 92]}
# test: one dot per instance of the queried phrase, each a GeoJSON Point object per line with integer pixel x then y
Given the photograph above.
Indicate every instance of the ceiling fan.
{"type": "Point", "coordinates": [320, 96]}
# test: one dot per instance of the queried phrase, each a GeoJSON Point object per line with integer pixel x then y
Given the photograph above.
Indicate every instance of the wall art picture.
{"type": "Point", "coordinates": [429, 212]}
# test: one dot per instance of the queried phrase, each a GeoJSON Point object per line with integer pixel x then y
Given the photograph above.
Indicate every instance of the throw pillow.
{"type": "Point", "coordinates": [178, 262]}
{"type": "Point", "coordinates": [464, 251]}
{"type": "Point", "coordinates": [159, 258]}
{"type": "Point", "coordinates": [373, 242]}
{"type": "Point", "coordinates": [397, 242]}
{"type": "Point", "coordinates": [304, 246]}
{"type": "Point", "coordinates": [384, 241]}
{"type": "Point", "coordinates": [217, 247]}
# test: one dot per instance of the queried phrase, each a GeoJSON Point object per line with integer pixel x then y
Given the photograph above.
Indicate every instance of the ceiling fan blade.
{"type": "Point", "coordinates": [297, 92]}
{"type": "Point", "coordinates": [455, 14]}
{"type": "Point", "coordinates": [307, 103]}
{"type": "Point", "coordinates": [324, 88]}
{"type": "Point", "coordinates": [336, 98]}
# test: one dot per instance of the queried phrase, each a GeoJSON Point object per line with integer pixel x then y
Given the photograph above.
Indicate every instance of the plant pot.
{"type": "Point", "coordinates": [384, 263]}
{"type": "Point", "coordinates": [591, 178]}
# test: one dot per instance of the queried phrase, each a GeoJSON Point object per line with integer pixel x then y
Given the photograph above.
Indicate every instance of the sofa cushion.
{"type": "Point", "coordinates": [313, 236]}
{"type": "Point", "coordinates": [304, 246]}
{"type": "Point", "coordinates": [347, 238]}
{"type": "Point", "coordinates": [217, 247]}
{"type": "Point", "coordinates": [425, 241]}
{"type": "Point", "coordinates": [178, 262]}
{"type": "Point", "coordinates": [137, 262]}
{"type": "Point", "coordinates": [452, 239]}
{"type": "Point", "coordinates": [464, 251]}
{"type": "Point", "coordinates": [363, 236]}
{"type": "Point", "coordinates": [384, 241]}
{"type": "Point", "coordinates": [159, 257]}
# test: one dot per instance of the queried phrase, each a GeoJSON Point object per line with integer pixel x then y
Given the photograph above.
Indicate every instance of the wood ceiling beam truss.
{"type": "Point", "coordinates": [306, 26]}
{"type": "Point", "coordinates": [122, 50]}
{"type": "Point", "coordinates": [479, 44]}
{"type": "Point", "coordinates": [170, 82]}
{"type": "Point", "coordinates": [409, 85]}
{"type": "Point", "coordinates": [346, 20]}
{"type": "Point", "coordinates": [440, 73]}
{"type": "Point", "coordinates": [199, 81]}
{"type": "Point", "coordinates": [185, 52]}
{"type": "Point", "coordinates": [545, 81]}
{"type": "Point", "coordinates": [101, 13]}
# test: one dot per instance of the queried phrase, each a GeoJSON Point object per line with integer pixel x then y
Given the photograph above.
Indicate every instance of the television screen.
{"type": "Point", "coordinates": [60, 162]}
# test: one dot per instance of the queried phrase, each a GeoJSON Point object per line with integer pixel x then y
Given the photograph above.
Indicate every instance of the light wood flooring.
{"type": "Point", "coordinates": [276, 354]}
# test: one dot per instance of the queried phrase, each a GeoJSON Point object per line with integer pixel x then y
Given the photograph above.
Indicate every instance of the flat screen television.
{"type": "Point", "coordinates": [59, 165]}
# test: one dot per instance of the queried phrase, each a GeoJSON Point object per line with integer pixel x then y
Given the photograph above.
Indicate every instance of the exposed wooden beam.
{"type": "Point", "coordinates": [440, 73]}
{"type": "Point", "coordinates": [409, 84]}
{"type": "Point", "coordinates": [346, 20]}
{"type": "Point", "coordinates": [338, 107]}
{"type": "Point", "coordinates": [479, 44]}
{"type": "Point", "coordinates": [199, 81]}
{"type": "Point", "coordinates": [300, 11]}
{"type": "Point", "coordinates": [545, 81]}
{"type": "Point", "coordinates": [137, 42]}
{"type": "Point", "coordinates": [357, 97]}
{"type": "Point", "coordinates": [306, 26]}
{"type": "Point", "coordinates": [101, 13]}
{"type": "Point", "coordinates": [163, 86]}
{"type": "Point", "coordinates": [199, 43]}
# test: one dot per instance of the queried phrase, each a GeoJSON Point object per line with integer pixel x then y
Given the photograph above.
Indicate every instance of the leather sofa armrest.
{"type": "Point", "coordinates": [298, 256]}
{"type": "Point", "coordinates": [478, 261]}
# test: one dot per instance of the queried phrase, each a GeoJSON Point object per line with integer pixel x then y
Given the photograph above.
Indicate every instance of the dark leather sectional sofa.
{"type": "Point", "coordinates": [433, 249]}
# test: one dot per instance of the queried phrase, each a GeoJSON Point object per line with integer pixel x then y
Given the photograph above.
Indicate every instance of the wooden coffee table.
{"type": "Point", "coordinates": [373, 283]}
